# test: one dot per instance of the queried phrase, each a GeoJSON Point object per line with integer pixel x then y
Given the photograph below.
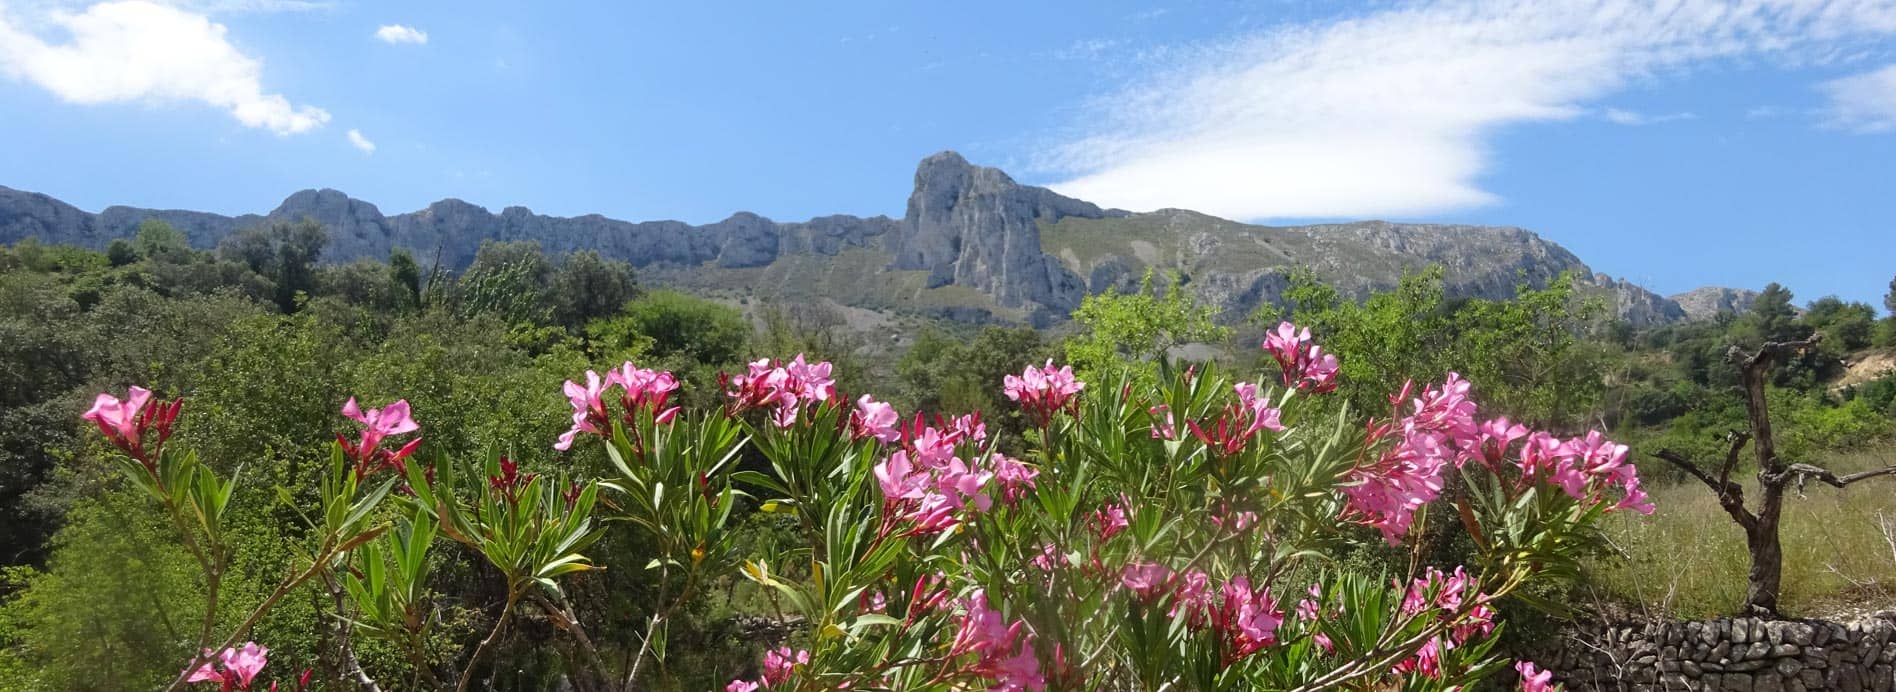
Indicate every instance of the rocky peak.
{"type": "Point", "coordinates": [1707, 302]}
{"type": "Point", "coordinates": [974, 226]}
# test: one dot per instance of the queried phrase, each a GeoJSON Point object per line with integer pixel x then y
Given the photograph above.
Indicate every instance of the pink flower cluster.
{"type": "Point", "coordinates": [1245, 618]}
{"type": "Point", "coordinates": [131, 426]}
{"type": "Point", "coordinates": [639, 389]}
{"type": "Point", "coordinates": [875, 419]}
{"type": "Point", "coordinates": [778, 665]}
{"type": "Point", "coordinates": [1004, 655]}
{"type": "Point", "coordinates": [1234, 427]}
{"type": "Point", "coordinates": [1303, 363]}
{"type": "Point", "coordinates": [785, 388]}
{"type": "Point", "coordinates": [1408, 475]}
{"type": "Point", "coordinates": [378, 424]}
{"type": "Point", "coordinates": [235, 668]}
{"type": "Point", "coordinates": [1043, 391]}
{"type": "Point", "coordinates": [1441, 430]}
{"type": "Point", "coordinates": [926, 482]}
{"type": "Point", "coordinates": [1533, 679]}
{"type": "Point", "coordinates": [1447, 594]}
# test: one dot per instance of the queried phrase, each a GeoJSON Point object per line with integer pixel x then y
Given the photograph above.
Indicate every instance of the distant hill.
{"type": "Point", "coordinates": [973, 246]}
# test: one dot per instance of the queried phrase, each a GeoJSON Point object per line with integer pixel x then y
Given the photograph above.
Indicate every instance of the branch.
{"type": "Point", "coordinates": [1738, 440]}
{"type": "Point", "coordinates": [1731, 496]}
{"type": "Point", "coordinates": [1806, 471]}
{"type": "Point", "coordinates": [1770, 350]}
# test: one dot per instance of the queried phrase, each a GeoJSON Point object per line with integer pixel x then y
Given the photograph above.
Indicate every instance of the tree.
{"type": "Point", "coordinates": [1889, 299]}
{"type": "Point", "coordinates": [1849, 326]}
{"type": "Point", "coordinates": [406, 273]}
{"type": "Point", "coordinates": [121, 252]}
{"type": "Point", "coordinates": [298, 246]}
{"type": "Point", "coordinates": [587, 286]}
{"type": "Point", "coordinates": [508, 280]}
{"type": "Point", "coordinates": [1771, 318]}
{"type": "Point", "coordinates": [1138, 328]}
{"type": "Point", "coordinates": [1775, 475]}
{"type": "Point", "coordinates": [251, 247]}
{"type": "Point", "coordinates": [158, 241]}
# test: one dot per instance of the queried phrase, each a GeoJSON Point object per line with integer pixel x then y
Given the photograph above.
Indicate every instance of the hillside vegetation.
{"type": "Point", "coordinates": [262, 339]}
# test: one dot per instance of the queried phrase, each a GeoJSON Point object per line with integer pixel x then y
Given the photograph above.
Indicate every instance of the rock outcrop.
{"type": "Point", "coordinates": [1711, 301]}
{"type": "Point", "coordinates": [973, 244]}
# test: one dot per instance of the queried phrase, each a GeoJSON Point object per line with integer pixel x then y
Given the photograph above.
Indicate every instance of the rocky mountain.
{"type": "Point", "coordinates": [974, 246]}
{"type": "Point", "coordinates": [1707, 302]}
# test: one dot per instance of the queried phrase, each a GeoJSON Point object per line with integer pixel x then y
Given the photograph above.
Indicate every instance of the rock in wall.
{"type": "Point", "coordinates": [1740, 654]}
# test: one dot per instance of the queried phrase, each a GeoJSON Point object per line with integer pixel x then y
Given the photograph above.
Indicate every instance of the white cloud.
{"type": "Point", "coordinates": [1864, 102]}
{"type": "Point", "coordinates": [145, 51]}
{"type": "Point", "coordinates": [1389, 113]}
{"type": "Point", "coordinates": [360, 142]}
{"type": "Point", "coordinates": [1620, 116]}
{"type": "Point", "coordinates": [396, 33]}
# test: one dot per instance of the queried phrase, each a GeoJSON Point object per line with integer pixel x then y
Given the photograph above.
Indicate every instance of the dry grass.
{"type": "Point", "coordinates": [1689, 559]}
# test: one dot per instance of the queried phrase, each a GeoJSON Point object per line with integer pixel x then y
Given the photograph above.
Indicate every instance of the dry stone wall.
{"type": "Point", "coordinates": [1742, 654]}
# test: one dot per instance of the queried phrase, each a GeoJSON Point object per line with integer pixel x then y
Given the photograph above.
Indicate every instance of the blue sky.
{"type": "Point", "coordinates": [1677, 145]}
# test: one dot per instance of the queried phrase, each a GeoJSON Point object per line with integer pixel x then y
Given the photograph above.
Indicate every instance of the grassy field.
{"type": "Point", "coordinates": [1689, 560]}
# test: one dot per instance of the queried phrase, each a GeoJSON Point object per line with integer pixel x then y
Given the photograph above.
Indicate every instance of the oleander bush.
{"type": "Point", "coordinates": [1154, 533]}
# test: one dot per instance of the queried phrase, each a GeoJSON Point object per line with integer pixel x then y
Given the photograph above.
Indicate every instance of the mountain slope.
{"type": "Point", "coordinates": [974, 245]}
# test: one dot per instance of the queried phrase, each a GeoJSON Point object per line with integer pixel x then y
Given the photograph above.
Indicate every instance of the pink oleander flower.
{"type": "Point", "coordinates": [1303, 364]}
{"type": "Point", "coordinates": [1043, 391]}
{"type": "Point", "coordinates": [779, 664]}
{"type": "Point", "coordinates": [1013, 476]}
{"type": "Point", "coordinates": [963, 485]}
{"type": "Point", "coordinates": [1049, 558]}
{"type": "Point", "coordinates": [130, 424]}
{"type": "Point", "coordinates": [1111, 520]}
{"type": "Point", "coordinates": [968, 426]}
{"type": "Point", "coordinates": [377, 425]}
{"type": "Point", "coordinates": [642, 388]}
{"type": "Point", "coordinates": [899, 479]}
{"type": "Point", "coordinates": [1493, 440]}
{"type": "Point", "coordinates": [785, 388]}
{"type": "Point", "coordinates": [1192, 594]}
{"type": "Point", "coordinates": [589, 409]}
{"type": "Point", "coordinates": [1163, 427]}
{"type": "Point", "coordinates": [1238, 423]}
{"type": "Point", "coordinates": [1247, 618]}
{"type": "Point", "coordinates": [1446, 409]}
{"type": "Point", "coordinates": [1387, 493]}
{"type": "Point", "coordinates": [1147, 580]}
{"type": "Point", "coordinates": [741, 686]}
{"type": "Point", "coordinates": [1427, 661]}
{"type": "Point", "coordinates": [1005, 656]}
{"type": "Point", "coordinates": [875, 419]}
{"type": "Point", "coordinates": [1533, 679]}
{"type": "Point", "coordinates": [235, 668]}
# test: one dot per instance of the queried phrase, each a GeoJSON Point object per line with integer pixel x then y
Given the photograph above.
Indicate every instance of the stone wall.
{"type": "Point", "coordinates": [1745, 654]}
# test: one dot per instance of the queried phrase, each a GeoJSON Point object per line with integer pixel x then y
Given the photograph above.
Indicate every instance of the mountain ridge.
{"type": "Point", "coordinates": [973, 245]}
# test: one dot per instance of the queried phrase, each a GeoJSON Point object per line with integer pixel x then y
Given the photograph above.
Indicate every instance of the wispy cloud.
{"type": "Point", "coordinates": [1864, 102]}
{"type": "Point", "coordinates": [1620, 116]}
{"type": "Point", "coordinates": [396, 33]}
{"type": "Point", "coordinates": [1389, 113]}
{"type": "Point", "coordinates": [360, 142]}
{"type": "Point", "coordinates": [145, 51]}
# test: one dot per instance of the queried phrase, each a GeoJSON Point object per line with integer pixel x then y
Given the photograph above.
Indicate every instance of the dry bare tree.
{"type": "Point", "coordinates": [1774, 476]}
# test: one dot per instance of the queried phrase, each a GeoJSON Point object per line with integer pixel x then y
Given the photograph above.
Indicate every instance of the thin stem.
{"type": "Point", "coordinates": [467, 676]}
{"type": "Point", "coordinates": [269, 602]}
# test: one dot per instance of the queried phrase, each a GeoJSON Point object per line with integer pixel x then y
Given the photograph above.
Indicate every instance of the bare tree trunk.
{"type": "Point", "coordinates": [1767, 552]}
{"type": "Point", "coordinates": [1767, 569]}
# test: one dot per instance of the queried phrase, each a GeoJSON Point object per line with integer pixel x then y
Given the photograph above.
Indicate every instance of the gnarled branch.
{"type": "Point", "coordinates": [1731, 496]}
{"type": "Point", "coordinates": [1807, 472]}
